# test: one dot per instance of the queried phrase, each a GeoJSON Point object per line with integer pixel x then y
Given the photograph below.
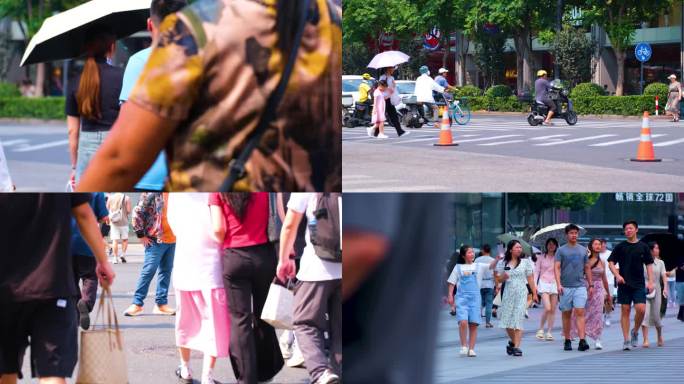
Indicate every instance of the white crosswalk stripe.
{"type": "Point", "coordinates": [501, 133]}
{"type": "Point", "coordinates": [30, 148]}
{"type": "Point", "coordinates": [623, 141]}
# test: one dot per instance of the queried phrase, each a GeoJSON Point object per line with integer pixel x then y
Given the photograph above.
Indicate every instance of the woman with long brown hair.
{"type": "Point", "coordinates": [240, 222]}
{"type": "Point", "coordinates": [92, 104]}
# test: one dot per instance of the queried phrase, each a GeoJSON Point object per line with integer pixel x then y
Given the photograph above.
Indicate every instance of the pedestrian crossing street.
{"type": "Point", "coordinates": [483, 132]}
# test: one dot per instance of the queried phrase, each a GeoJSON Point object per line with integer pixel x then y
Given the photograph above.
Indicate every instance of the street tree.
{"type": "Point", "coordinates": [519, 19]}
{"type": "Point", "coordinates": [572, 50]}
{"type": "Point", "coordinates": [620, 19]}
{"type": "Point", "coordinates": [30, 15]}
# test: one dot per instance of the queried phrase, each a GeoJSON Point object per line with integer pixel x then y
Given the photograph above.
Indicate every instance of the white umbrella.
{"type": "Point", "coordinates": [557, 231]}
{"type": "Point", "coordinates": [62, 36]}
{"type": "Point", "coordinates": [388, 59]}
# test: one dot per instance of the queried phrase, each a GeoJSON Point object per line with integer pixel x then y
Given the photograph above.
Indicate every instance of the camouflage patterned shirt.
{"type": "Point", "coordinates": [213, 68]}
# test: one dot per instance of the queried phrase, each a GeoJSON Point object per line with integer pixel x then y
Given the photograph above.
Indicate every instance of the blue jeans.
{"type": "Point", "coordinates": [157, 255]}
{"type": "Point", "coordinates": [88, 144]}
{"type": "Point", "coordinates": [487, 299]}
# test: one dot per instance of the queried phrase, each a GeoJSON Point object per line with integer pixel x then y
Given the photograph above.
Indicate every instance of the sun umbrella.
{"type": "Point", "coordinates": [62, 36]}
{"type": "Point", "coordinates": [506, 237]}
{"type": "Point", "coordinates": [557, 231]}
{"type": "Point", "coordinates": [388, 59]}
{"type": "Point", "coordinates": [671, 248]}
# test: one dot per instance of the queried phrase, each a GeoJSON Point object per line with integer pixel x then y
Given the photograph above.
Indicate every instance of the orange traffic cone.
{"type": "Point", "coordinates": [445, 139]}
{"type": "Point", "coordinates": [645, 151]}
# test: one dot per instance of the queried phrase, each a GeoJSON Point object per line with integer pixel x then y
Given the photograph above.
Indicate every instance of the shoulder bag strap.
{"type": "Point", "coordinates": [237, 165]}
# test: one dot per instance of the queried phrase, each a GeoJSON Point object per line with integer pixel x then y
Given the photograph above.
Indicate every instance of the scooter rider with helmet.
{"type": "Point", "coordinates": [541, 87]}
{"type": "Point", "coordinates": [424, 87]}
{"type": "Point", "coordinates": [365, 92]}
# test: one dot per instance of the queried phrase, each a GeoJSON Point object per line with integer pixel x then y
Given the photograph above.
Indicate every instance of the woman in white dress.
{"type": "Point", "coordinates": [516, 273]}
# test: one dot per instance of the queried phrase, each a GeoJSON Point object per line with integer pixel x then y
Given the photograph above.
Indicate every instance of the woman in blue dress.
{"type": "Point", "coordinates": [467, 277]}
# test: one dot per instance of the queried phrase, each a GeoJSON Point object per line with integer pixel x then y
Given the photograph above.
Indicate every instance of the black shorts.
{"type": "Point", "coordinates": [627, 294]}
{"type": "Point", "coordinates": [52, 328]}
{"type": "Point", "coordinates": [549, 103]}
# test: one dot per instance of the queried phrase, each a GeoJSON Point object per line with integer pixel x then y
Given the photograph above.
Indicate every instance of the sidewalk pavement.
{"type": "Point", "coordinates": [492, 358]}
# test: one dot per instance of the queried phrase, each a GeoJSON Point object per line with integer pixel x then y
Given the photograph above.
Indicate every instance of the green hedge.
{"type": "Point", "coordinates": [498, 91]}
{"type": "Point", "coordinates": [35, 108]}
{"type": "Point", "coordinates": [9, 90]}
{"type": "Point", "coordinates": [659, 89]}
{"type": "Point", "coordinates": [468, 91]}
{"type": "Point", "coordinates": [598, 105]}
{"type": "Point", "coordinates": [587, 90]}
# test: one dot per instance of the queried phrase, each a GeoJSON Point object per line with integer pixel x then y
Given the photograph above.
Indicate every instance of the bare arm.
{"type": "Point", "coordinates": [649, 270]}
{"type": "Point", "coordinates": [363, 252]}
{"type": "Point", "coordinates": [133, 144]}
{"type": "Point", "coordinates": [604, 278]}
{"type": "Point", "coordinates": [288, 234]}
{"type": "Point", "coordinates": [280, 206]}
{"type": "Point", "coordinates": [218, 224]}
{"type": "Point", "coordinates": [73, 124]}
{"type": "Point", "coordinates": [87, 224]}
{"type": "Point", "coordinates": [556, 272]}
{"type": "Point", "coordinates": [616, 272]}
{"type": "Point", "coordinates": [533, 287]}
{"type": "Point", "coordinates": [587, 273]}
{"type": "Point", "coordinates": [665, 288]}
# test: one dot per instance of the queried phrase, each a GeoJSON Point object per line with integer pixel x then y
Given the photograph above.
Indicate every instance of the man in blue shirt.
{"type": "Point", "coordinates": [155, 177]}
{"type": "Point", "coordinates": [84, 262]}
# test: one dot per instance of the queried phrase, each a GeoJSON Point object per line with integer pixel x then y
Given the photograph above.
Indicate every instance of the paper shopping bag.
{"type": "Point", "coordinates": [279, 307]}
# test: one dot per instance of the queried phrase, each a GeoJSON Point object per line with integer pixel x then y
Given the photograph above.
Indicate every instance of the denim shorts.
{"type": "Point", "coordinates": [573, 298]}
{"type": "Point", "coordinates": [88, 144]}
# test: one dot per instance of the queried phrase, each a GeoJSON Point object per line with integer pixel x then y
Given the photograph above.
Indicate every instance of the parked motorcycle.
{"type": "Point", "coordinates": [564, 110]}
{"type": "Point", "coordinates": [355, 114]}
{"type": "Point", "coordinates": [410, 112]}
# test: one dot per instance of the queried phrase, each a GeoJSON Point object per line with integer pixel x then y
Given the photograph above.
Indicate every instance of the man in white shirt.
{"type": "Point", "coordinates": [319, 290]}
{"type": "Point", "coordinates": [487, 286]}
{"type": "Point", "coordinates": [424, 87]}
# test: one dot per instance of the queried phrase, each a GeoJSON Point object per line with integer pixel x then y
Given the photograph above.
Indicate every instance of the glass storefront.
{"type": "Point", "coordinates": [479, 218]}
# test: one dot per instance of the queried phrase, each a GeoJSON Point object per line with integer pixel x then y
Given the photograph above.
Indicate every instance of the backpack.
{"type": "Point", "coordinates": [117, 215]}
{"type": "Point", "coordinates": [324, 228]}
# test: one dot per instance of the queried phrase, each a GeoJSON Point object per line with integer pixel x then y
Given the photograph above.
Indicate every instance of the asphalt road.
{"type": "Point", "coordinates": [149, 339]}
{"type": "Point", "coordinates": [547, 362]}
{"type": "Point", "coordinates": [503, 152]}
{"type": "Point", "coordinates": [37, 154]}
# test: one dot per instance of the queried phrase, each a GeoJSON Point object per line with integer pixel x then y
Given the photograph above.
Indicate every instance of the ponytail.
{"type": "Point", "coordinates": [88, 94]}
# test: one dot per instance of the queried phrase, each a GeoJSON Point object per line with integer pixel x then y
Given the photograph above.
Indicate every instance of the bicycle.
{"type": "Point", "coordinates": [458, 109]}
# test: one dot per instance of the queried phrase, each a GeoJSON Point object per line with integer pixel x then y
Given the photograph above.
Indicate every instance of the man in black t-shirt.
{"type": "Point", "coordinates": [37, 290]}
{"type": "Point", "coordinates": [632, 255]}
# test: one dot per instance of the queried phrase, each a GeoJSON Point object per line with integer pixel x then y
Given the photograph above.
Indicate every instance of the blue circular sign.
{"type": "Point", "coordinates": [643, 52]}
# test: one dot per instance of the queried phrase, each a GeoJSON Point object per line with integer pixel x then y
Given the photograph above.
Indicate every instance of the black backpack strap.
{"type": "Point", "coordinates": [237, 165]}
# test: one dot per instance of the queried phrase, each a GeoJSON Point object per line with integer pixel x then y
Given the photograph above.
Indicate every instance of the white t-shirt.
{"type": "Point", "coordinates": [488, 277]}
{"type": "Point", "coordinates": [5, 179]}
{"type": "Point", "coordinates": [424, 87]}
{"type": "Point", "coordinates": [197, 263]}
{"type": "Point", "coordinates": [311, 267]}
{"type": "Point", "coordinates": [479, 268]}
{"type": "Point", "coordinates": [609, 274]}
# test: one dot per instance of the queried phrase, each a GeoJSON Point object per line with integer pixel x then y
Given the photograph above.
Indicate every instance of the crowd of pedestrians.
{"type": "Point", "coordinates": [580, 281]}
{"type": "Point", "coordinates": [222, 251]}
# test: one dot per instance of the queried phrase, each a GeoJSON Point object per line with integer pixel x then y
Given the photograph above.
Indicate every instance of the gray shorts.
{"type": "Point", "coordinates": [573, 298]}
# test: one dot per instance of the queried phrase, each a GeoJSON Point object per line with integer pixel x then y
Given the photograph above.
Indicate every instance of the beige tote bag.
{"type": "Point", "coordinates": [279, 306]}
{"type": "Point", "coordinates": [102, 359]}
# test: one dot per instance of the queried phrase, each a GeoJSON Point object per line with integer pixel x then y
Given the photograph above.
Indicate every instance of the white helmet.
{"type": "Point", "coordinates": [442, 70]}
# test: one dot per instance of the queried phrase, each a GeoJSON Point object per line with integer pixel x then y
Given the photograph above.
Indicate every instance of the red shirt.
{"type": "Point", "coordinates": [254, 226]}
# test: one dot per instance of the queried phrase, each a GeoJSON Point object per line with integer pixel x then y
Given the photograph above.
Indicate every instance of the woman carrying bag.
{"type": "Point", "coordinates": [240, 222]}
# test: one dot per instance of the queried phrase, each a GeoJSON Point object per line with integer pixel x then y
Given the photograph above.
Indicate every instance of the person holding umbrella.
{"type": "Point", "coordinates": [391, 100]}
{"type": "Point", "coordinates": [92, 104]}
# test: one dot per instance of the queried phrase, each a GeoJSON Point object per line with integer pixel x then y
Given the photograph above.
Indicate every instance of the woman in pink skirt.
{"type": "Point", "coordinates": [378, 116]}
{"type": "Point", "coordinates": [596, 300]}
{"type": "Point", "coordinates": [202, 320]}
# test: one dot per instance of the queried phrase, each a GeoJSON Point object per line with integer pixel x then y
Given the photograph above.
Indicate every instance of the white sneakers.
{"type": "Point", "coordinates": [540, 334]}
{"type": "Point", "coordinates": [369, 131]}
{"type": "Point", "coordinates": [464, 351]}
{"type": "Point", "coordinates": [285, 347]}
{"type": "Point", "coordinates": [328, 378]}
{"type": "Point", "coordinates": [382, 136]}
{"type": "Point", "coordinates": [297, 360]}
{"type": "Point", "coordinates": [598, 344]}
{"type": "Point", "coordinates": [471, 353]}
